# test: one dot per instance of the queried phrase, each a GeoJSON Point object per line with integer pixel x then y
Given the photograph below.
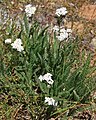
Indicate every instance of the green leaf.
{"type": "Point", "coordinates": [76, 96]}
{"type": "Point", "coordinates": [26, 24]}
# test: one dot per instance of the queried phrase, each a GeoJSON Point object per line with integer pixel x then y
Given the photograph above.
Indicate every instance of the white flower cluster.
{"type": "Point", "coordinates": [61, 33]}
{"type": "Point", "coordinates": [47, 78]}
{"type": "Point", "coordinates": [17, 45]}
{"type": "Point", "coordinates": [50, 101]}
{"type": "Point", "coordinates": [61, 11]}
{"type": "Point", "coordinates": [30, 10]}
{"type": "Point", "coordinates": [8, 41]}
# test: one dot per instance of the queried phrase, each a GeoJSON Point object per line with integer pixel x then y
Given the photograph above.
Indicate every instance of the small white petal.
{"type": "Point", "coordinates": [20, 48]}
{"type": "Point", "coordinates": [62, 30]}
{"type": "Point", "coordinates": [55, 28]}
{"type": "Point", "coordinates": [50, 81]}
{"type": "Point", "coordinates": [69, 30]}
{"type": "Point", "coordinates": [41, 78]}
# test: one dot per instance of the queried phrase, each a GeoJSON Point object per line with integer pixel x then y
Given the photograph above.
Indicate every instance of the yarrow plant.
{"type": "Point", "coordinates": [47, 78]}
{"type": "Point", "coordinates": [17, 45]}
{"type": "Point", "coordinates": [30, 10]}
{"type": "Point", "coordinates": [41, 93]}
{"type": "Point", "coordinates": [50, 101]}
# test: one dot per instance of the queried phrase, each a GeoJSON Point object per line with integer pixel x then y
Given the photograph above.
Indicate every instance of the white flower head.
{"type": "Point", "coordinates": [61, 11]}
{"type": "Point", "coordinates": [17, 45]}
{"type": "Point", "coordinates": [50, 101]}
{"type": "Point", "coordinates": [8, 41]}
{"type": "Point", "coordinates": [47, 78]}
{"type": "Point", "coordinates": [63, 34]}
{"type": "Point", "coordinates": [30, 10]}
